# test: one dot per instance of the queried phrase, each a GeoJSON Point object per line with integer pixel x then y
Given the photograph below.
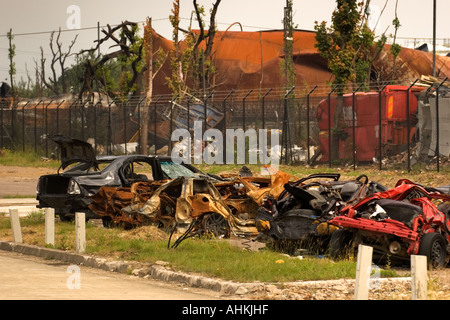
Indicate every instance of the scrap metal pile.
{"type": "Point", "coordinates": [317, 213]}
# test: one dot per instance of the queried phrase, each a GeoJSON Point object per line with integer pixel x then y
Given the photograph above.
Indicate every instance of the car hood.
{"type": "Point", "coordinates": [73, 150]}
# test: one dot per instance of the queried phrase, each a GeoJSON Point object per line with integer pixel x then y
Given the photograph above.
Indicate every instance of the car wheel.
{"type": "Point", "coordinates": [432, 245]}
{"type": "Point", "coordinates": [342, 244]}
{"type": "Point", "coordinates": [215, 224]}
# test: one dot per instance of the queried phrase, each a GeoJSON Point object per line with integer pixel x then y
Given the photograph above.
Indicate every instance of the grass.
{"type": "Point", "coordinates": [25, 159]}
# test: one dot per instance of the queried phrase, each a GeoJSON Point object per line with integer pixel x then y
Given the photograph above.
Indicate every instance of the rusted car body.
{"type": "Point", "coordinates": [190, 204]}
{"type": "Point", "coordinates": [397, 223]}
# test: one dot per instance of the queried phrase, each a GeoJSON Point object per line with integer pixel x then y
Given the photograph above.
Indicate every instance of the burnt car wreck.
{"type": "Point", "coordinates": [299, 218]}
{"type": "Point", "coordinates": [190, 205]}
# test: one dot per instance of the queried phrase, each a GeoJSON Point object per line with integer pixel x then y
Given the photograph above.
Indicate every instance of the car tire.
{"type": "Point", "coordinates": [342, 244]}
{"type": "Point", "coordinates": [433, 246]}
{"type": "Point", "coordinates": [215, 224]}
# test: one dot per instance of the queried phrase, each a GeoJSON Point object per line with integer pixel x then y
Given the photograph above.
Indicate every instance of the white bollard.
{"type": "Point", "coordinates": [363, 270]}
{"type": "Point", "coordinates": [419, 277]}
{"type": "Point", "coordinates": [50, 226]}
{"type": "Point", "coordinates": [15, 225]}
{"type": "Point", "coordinates": [80, 232]}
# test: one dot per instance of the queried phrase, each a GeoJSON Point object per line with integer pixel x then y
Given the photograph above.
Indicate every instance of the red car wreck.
{"type": "Point", "coordinates": [397, 223]}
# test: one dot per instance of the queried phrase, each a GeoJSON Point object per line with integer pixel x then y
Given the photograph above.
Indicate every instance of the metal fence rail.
{"type": "Point", "coordinates": [114, 127]}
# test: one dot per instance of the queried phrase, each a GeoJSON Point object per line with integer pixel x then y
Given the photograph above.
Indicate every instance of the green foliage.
{"type": "Point", "coordinates": [131, 61]}
{"type": "Point", "coordinates": [11, 55]}
{"type": "Point", "coordinates": [346, 44]}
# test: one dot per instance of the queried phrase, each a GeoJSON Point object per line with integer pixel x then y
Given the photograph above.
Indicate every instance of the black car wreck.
{"type": "Point", "coordinates": [298, 218]}
{"type": "Point", "coordinates": [82, 174]}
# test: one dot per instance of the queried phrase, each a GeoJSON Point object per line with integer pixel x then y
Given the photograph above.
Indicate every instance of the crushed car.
{"type": "Point", "coordinates": [82, 174]}
{"type": "Point", "coordinates": [298, 218]}
{"type": "Point", "coordinates": [399, 222]}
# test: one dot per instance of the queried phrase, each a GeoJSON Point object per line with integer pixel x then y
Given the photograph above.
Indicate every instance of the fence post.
{"type": "Point", "coordinates": [418, 277]}
{"type": "Point", "coordinates": [437, 124]}
{"type": "Point", "coordinates": [353, 125]}
{"type": "Point", "coordinates": [140, 125]}
{"type": "Point", "coordinates": [13, 125]}
{"type": "Point", "coordinates": [15, 225]}
{"type": "Point", "coordinates": [224, 111]}
{"type": "Point", "coordinates": [189, 111]}
{"type": "Point", "coordinates": [80, 232]}
{"type": "Point", "coordinates": [23, 126]}
{"type": "Point", "coordinates": [308, 124]}
{"type": "Point", "coordinates": [57, 116]}
{"type": "Point", "coordinates": [172, 102]}
{"type": "Point", "coordinates": [264, 108]}
{"type": "Point", "coordinates": [50, 226]}
{"type": "Point", "coordinates": [380, 155]}
{"type": "Point", "coordinates": [408, 125]}
{"type": "Point", "coordinates": [363, 270]}
{"type": "Point", "coordinates": [244, 124]}
{"type": "Point", "coordinates": [155, 138]}
{"type": "Point", "coordinates": [329, 125]}
{"type": "Point", "coordinates": [285, 134]}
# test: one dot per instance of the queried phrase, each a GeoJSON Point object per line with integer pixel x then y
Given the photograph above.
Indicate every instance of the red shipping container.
{"type": "Point", "coordinates": [393, 123]}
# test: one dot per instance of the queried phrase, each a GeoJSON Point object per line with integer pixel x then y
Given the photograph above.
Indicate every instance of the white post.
{"type": "Point", "coordinates": [363, 270]}
{"type": "Point", "coordinates": [80, 232]}
{"type": "Point", "coordinates": [15, 225]}
{"type": "Point", "coordinates": [419, 277]}
{"type": "Point", "coordinates": [50, 226]}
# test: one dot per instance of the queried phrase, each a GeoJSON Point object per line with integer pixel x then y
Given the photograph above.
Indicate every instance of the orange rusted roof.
{"type": "Point", "coordinates": [252, 60]}
{"type": "Point", "coordinates": [411, 64]}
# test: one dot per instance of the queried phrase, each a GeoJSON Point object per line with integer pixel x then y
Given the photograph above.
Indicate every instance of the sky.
{"type": "Point", "coordinates": [32, 21]}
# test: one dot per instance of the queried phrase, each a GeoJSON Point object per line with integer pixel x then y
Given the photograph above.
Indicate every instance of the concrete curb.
{"type": "Point", "coordinates": [159, 272]}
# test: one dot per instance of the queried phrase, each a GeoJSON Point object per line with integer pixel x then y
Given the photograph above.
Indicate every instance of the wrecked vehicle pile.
{"type": "Point", "coordinates": [397, 223]}
{"type": "Point", "coordinates": [318, 213]}
{"type": "Point", "coordinates": [299, 218]}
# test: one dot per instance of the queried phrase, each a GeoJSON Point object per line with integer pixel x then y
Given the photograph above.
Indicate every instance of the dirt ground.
{"type": "Point", "coordinates": [20, 181]}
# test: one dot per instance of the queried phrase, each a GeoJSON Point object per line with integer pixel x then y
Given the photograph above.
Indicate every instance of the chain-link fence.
{"type": "Point", "coordinates": [391, 125]}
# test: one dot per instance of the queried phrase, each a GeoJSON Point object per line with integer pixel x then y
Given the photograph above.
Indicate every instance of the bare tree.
{"type": "Point", "coordinates": [58, 58]}
{"type": "Point", "coordinates": [205, 70]}
{"type": "Point", "coordinates": [130, 52]}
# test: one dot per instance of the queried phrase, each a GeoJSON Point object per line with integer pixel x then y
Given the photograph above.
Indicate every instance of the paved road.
{"type": "Point", "coordinates": [26, 278]}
